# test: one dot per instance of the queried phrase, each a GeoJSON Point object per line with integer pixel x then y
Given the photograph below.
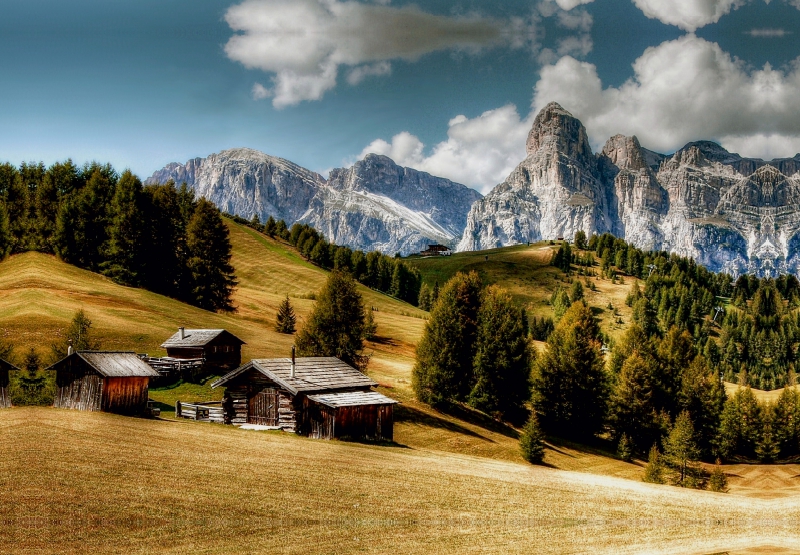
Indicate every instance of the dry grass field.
{"type": "Point", "coordinates": [77, 482]}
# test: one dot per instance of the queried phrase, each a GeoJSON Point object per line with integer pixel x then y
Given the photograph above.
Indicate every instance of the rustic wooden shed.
{"type": "Point", "coordinates": [110, 381]}
{"type": "Point", "coordinates": [220, 350]}
{"type": "Point", "coordinates": [316, 397]}
{"type": "Point", "coordinates": [5, 399]}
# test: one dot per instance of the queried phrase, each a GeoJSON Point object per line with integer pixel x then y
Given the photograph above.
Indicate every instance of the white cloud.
{"type": "Point", "coordinates": [260, 92]}
{"type": "Point", "coordinates": [304, 42]}
{"type": "Point", "coordinates": [689, 15]}
{"type": "Point", "coordinates": [569, 4]}
{"type": "Point", "coordinates": [358, 74]}
{"type": "Point", "coordinates": [478, 152]}
{"type": "Point", "coordinates": [683, 90]}
{"type": "Point", "coordinates": [768, 33]}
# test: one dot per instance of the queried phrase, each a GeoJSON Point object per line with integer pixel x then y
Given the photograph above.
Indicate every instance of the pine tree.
{"type": "Point", "coordinates": [681, 453]}
{"type": "Point", "coordinates": [78, 335]}
{"type": "Point", "coordinates": [625, 449]}
{"type": "Point", "coordinates": [285, 320]}
{"type": "Point", "coordinates": [740, 426]}
{"type": "Point", "coordinates": [424, 302]}
{"type": "Point", "coordinates": [336, 325]}
{"type": "Point", "coordinates": [370, 327]}
{"type": "Point", "coordinates": [703, 396]}
{"type": "Point", "coordinates": [270, 227]}
{"type": "Point", "coordinates": [576, 291]}
{"type": "Point", "coordinates": [443, 372]}
{"type": "Point", "coordinates": [502, 364]}
{"type": "Point", "coordinates": [632, 412]}
{"type": "Point", "coordinates": [718, 482]}
{"type": "Point", "coordinates": [125, 250]}
{"type": "Point", "coordinates": [570, 384]}
{"type": "Point", "coordinates": [209, 248]}
{"type": "Point", "coordinates": [560, 301]}
{"type": "Point", "coordinates": [531, 441]}
{"type": "Point", "coordinates": [654, 470]}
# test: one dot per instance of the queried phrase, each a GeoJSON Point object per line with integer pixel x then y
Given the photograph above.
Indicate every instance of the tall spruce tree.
{"type": "Point", "coordinates": [632, 410]}
{"type": "Point", "coordinates": [125, 252]}
{"type": "Point", "coordinates": [681, 453]}
{"type": "Point", "coordinates": [570, 384]}
{"type": "Point", "coordinates": [209, 248]}
{"type": "Point", "coordinates": [336, 325]}
{"type": "Point", "coordinates": [502, 364]}
{"type": "Point", "coordinates": [443, 372]}
{"type": "Point", "coordinates": [285, 320]}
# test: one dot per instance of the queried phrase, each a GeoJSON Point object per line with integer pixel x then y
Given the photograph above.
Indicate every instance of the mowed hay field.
{"type": "Point", "coordinates": [77, 482]}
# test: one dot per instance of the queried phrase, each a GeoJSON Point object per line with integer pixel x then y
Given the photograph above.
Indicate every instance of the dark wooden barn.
{"type": "Point", "coordinates": [219, 350]}
{"type": "Point", "coordinates": [108, 381]}
{"type": "Point", "coordinates": [315, 397]}
{"type": "Point", "coordinates": [5, 399]}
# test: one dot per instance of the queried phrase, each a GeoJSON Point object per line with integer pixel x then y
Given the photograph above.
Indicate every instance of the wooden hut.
{"type": "Point", "coordinates": [219, 350]}
{"type": "Point", "coordinates": [109, 381]}
{"type": "Point", "coordinates": [315, 397]}
{"type": "Point", "coordinates": [5, 400]}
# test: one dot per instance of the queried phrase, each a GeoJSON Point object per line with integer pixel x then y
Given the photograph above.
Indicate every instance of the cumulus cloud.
{"type": "Point", "coordinates": [358, 74]}
{"type": "Point", "coordinates": [569, 4]}
{"type": "Point", "coordinates": [478, 152]}
{"type": "Point", "coordinates": [683, 90]}
{"type": "Point", "coordinates": [305, 42]}
{"type": "Point", "coordinates": [689, 15]}
{"type": "Point", "coordinates": [260, 92]}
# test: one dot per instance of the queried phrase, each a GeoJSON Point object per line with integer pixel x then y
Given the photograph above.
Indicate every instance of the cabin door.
{"type": "Point", "coordinates": [263, 408]}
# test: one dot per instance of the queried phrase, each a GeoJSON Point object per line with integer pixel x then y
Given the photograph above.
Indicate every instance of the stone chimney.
{"type": "Point", "coordinates": [182, 332]}
{"type": "Point", "coordinates": [293, 366]}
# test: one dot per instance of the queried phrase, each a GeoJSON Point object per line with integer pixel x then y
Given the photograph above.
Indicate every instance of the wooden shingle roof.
{"type": "Point", "coordinates": [312, 374]}
{"type": "Point", "coordinates": [198, 338]}
{"type": "Point", "coordinates": [112, 364]}
{"type": "Point", "coordinates": [351, 399]}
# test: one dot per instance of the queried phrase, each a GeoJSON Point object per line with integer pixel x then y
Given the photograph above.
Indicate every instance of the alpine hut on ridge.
{"type": "Point", "coordinates": [219, 350]}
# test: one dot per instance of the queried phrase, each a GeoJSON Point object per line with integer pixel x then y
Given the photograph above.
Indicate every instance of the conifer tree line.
{"type": "Point", "coordinates": [157, 237]}
{"type": "Point", "coordinates": [475, 350]}
{"type": "Point", "coordinates": [374, 269]}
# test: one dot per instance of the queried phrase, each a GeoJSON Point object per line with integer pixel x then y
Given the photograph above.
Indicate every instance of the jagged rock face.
{"type": "Point", "coordinates": [246, 182]}
{"type": "Point", "coordinates": [729, 213]}
{"type": "Point", "coordinates": [375, 205]}
{"type": "Point", "coordinates": [554, 192]}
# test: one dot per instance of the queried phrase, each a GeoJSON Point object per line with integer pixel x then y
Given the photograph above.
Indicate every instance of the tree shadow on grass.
{"type": "Point", "coordinates": [404, 413]}
{"type": "Point", "coordinates": [477, 418]}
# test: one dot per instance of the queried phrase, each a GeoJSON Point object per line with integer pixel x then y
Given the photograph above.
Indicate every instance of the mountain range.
{"type": "Point", "coordinates": [730, 213]}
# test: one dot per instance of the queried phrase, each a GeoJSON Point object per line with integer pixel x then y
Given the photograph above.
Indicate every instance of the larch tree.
{"type": "Point", "coordinates": [502, 363]}
{"type": "Point", "coordinates": [570, 386]}
{"type": "Point", "coordinates": [209, 248]}
{"type": "Point", "coordinates": [335, 327]}
{"type": "Point", "coordinates": [125, 244]}
{"type": "Point", "coordinates": [443, 372]}
{"type": "Point", "coordinates": [681, 453]}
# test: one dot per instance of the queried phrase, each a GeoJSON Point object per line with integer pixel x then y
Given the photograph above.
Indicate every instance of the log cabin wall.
{"type": "Point", "coordinates": [126, 395]}
{"type": "Point", "coordinates": [78, 387]}
{"type": "Point", "coordinates": [239, 396]}
{"type": "Point", "coordinates": [5, 400]}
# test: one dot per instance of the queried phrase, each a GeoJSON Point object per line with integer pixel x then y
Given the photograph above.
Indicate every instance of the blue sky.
{"type": "Point", "coordinates": [449, 86]}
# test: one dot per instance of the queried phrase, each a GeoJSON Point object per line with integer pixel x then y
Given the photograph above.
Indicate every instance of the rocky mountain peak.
{"type": "Point", "coordinates": [557, 130]}
{"type": "Point", "coordinates": [625, 152]}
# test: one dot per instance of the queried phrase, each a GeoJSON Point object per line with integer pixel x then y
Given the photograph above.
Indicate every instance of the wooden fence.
{"type": "Point", "coordinates": [211, 411]}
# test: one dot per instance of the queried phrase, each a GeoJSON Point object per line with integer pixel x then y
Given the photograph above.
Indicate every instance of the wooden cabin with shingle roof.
{"type": "Point", "coordinates": [319, 397]}
{"type": "Point", "coordinates": [220, 350]}
{"type": "Point", "coordinates": [109, 381]}
{"type": "Point", "coordinates": [5, 399]}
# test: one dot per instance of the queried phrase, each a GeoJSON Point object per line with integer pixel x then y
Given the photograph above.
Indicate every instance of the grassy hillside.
{"type": "Point", "coordinates": [78, 482]}
{"type": "Point", "coordinates": [526, 273]}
